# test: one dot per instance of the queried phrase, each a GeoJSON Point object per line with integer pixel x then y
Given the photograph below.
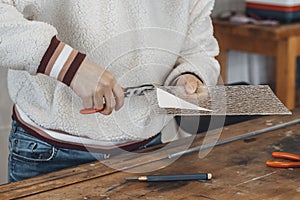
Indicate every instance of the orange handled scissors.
{"type": "Point", "coordinates": [284, 155]}
{"type": "Point", "coordinates": [128, 92]}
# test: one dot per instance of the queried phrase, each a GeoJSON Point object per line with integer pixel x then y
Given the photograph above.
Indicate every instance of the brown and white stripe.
{"type": "Point", "coordinates": [61, 61]}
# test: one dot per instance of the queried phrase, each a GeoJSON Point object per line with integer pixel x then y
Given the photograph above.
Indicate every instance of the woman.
{"type": "Point", "coordinates": [65, 56]}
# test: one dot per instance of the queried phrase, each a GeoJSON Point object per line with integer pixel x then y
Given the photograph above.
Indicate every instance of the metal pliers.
{"type": "Point", "coordinates": [282, 164]}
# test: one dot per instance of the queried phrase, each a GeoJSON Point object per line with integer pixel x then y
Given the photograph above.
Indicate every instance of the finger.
{"type": "Point", "coordinates": [185, 82]}
{"type": "Point", "coordinates": [191, 86]}
{"type": "Point", "coordinates": [99, 100]}
{"type": "Point", "coordinates": [87, 102]}
{"type": "Point", "coordinates": [202, 90]}
{"type": "Point", "coordinates": [119, 96]}
{"type": "Point", "coordinates": [110, 103]}
{"type": "Point", "coordinates": [200, 87]}
{"type": "Point", "coordinates": [181, 81]}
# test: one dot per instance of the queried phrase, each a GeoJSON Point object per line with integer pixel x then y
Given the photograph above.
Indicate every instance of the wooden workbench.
{"type": "Point", "coordinates": [281, 42]}
{"type": "Point", "coordinates": [238, 169]}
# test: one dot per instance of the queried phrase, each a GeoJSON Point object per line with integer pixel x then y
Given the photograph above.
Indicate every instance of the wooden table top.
{"type": "Point", "coordinates": [238, 169]}
{"type": "Point", "coordinates": [260, 31]}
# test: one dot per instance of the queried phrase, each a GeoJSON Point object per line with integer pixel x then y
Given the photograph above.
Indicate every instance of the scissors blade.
{"type": "Point", "coordinates": [138, 90]}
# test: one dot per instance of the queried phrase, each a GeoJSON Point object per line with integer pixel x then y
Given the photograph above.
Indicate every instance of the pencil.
{"type": "Point", "coordinates": [175, 177]}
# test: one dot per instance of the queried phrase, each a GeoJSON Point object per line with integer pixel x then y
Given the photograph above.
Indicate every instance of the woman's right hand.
{"type": "Point", "coordinates": [98, 88]}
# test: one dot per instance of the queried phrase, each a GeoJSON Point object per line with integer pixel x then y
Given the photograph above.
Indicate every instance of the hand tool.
{"type": "Point", "coordinates": [282, 164]}
{"type": "Point", "coordinates": [228, 100]}
{"type": "Point", "coordinates": [246, 135]}
{"type": "Point", "coordinates": [220, 100]}
{"type": "Point", "coordinates": [161, 178]}
{"type": "Point", "coordinates": [175, 177]}
{"type": "Point", "coordinates": [128, 92]}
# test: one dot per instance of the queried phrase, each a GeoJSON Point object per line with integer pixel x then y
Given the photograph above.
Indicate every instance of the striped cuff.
{"type": "Point", "coordinates": [61, 61]}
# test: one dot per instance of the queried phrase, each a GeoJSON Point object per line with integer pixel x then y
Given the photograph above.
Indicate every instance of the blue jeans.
{"type": "Point", "coordinates": [31, 157]}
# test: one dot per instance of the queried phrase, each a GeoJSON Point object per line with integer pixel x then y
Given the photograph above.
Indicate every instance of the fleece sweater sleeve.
{"type": "Point", "coordinates": [198, 53]}
{"type": "Point", "coordinates": [32, 46]}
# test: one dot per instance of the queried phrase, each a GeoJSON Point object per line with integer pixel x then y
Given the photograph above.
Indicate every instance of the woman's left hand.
{"type": "Point", "coordinates": [190, 82]}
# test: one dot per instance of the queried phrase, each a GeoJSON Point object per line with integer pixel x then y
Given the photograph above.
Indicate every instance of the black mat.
{"type": "Point", "coordinates": [202, 124]}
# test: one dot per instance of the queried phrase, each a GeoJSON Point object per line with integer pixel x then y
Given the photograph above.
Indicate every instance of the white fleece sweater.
{"type": "Point", "coordinates": [139, 41]}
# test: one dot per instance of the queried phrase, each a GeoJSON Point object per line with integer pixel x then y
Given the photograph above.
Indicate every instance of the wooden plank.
{"type": "Point", "coordinates": [53, 180]}
{"type": "Point", "coordinates": [243, 43]}
{"type": "Point", "coordinates": [286, 70]}
{"type": "Point", "coordinates": [88, 172]}
{"type": "Point", "coordinates": [265, 32]}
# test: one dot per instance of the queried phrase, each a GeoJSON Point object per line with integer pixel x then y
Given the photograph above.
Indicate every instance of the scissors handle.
{"type": "Point", "coordinates": [282, 164]}
{"type": "Point", "coordinates": [285, 155]}
{"type": "Point", "coordinates": [91, 110]}
{"type": "Point", "coordinates": [129, 91]}
{"type": "Point", "coordinates": [87, 111]}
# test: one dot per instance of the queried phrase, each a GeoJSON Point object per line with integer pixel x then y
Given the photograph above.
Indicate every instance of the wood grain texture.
{"type": "Point", "coordinates": [238, 169]}
{"type": "Point", "coordinates": [286, 70]}
{"type": "Point", "coordinates": [264, 32]}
